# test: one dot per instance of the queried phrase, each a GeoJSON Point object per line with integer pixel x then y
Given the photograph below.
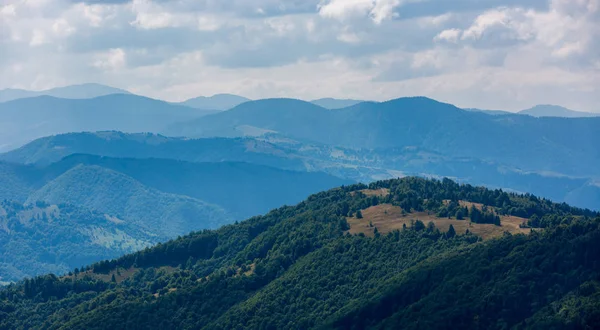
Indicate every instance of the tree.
{"type": "Point", "coordinates": [419, 225]}
{"type": "Point", "coordinates": [451, 232]}
{"type": "Point", "coordinates": [113, 279]}
{"type": "Point", "coordinates": [359, 214]}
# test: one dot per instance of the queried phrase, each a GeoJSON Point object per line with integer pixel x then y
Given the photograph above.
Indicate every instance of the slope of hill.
{"type": "Point", "coordinates": [331, 103]}
{"type": "Point", "coordinates": [300, 268]}
{"type": "Point", "coordinates": [243, 189]}
{"type": "Point", "coordinates": [83, 91]}
{"type": "Point", "coordinates": [51, 149]}
{"type": "Point", "coordinates": [17, 181]}
{"type": "Point", "coordinates": [490, 112]}
{"type": "Point", "coordinates": [42, 238]}
{"type": "Point", "coordinates": [97, 188]}
{"type": "Point", "coordinates": [355, 165]}
{"type": "Point", "coordinates": [215, 102]}
{"type": "Point", "coordinates": [560, 145]}
{"type": "Point", "coordinates": [24, 120]}
{"type": "Point", "coordinates": [546, 110]}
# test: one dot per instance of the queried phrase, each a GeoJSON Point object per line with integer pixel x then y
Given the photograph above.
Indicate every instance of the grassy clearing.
{"type": "Point", "coordinates": [387, 217]}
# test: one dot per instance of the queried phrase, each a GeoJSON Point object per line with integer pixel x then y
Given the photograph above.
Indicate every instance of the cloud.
{"type": "Point", "coordinates": [493, 53]}
{"type": "Point", "coordinates": [113, 59]}
{"type": "Point", "coordinates": [378, 10]}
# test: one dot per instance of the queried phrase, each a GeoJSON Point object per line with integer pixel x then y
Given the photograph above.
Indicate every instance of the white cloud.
{"type": "Point", "coordinates": [378, 10]}
{"type": "Point", "coordinates": [450, 35]}
{"type": "Point", "coordinates": [62, 28]}
{"type": "Point", "coordinates": [38, 37]}
{"type": "Point", "coordinates": [113, 59]}
{"type": "Point", "coordinates": [509, 56]}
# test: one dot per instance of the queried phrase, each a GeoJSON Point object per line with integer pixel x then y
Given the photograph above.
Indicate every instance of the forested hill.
{"type": "Point", "coordinates": [409, 252]}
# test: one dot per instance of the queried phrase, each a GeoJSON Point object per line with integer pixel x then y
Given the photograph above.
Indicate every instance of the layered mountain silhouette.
{"type": "Point", "coordinates": [215, 102]}
{"type": "Point", "coordinates": [546, 110]}
{"type": "Point", "coordinates": [355, 165]}
{"type": "Point", "coordinates": [331, 103]}
{"type": "Point", "coordinates": [83, 91]}
{"type": "Point", "coordinates": [561, 145]}
{"type": "Point", "coordinates": [27, 119]}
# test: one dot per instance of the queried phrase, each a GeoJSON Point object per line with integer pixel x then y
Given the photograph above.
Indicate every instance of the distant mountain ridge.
{"type": "Point", "coordinates": [331, 103]}
{"type": "Point", "coordinates": [546, 110]}
{"type": "Point", "coordinates": [24, 120]}
{"type": "Point", "coordinates": [560, 145]}
{"type": "Point", "coordinates": [83, 91]}
{"type": "Point", "coordinates": [364, 165]}
{"type": "Point", "coordinates": [215, 102]}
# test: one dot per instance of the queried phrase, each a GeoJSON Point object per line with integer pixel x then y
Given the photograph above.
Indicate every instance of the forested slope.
{"type": "Point", "coordinates": [299, 267]}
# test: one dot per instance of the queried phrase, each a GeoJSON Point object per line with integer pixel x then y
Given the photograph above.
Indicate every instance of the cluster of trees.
{"type": "Point", "coordinates": [296, 268]}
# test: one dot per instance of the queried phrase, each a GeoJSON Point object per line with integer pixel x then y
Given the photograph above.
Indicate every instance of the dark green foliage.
{"type": "Point", "coordinates": [451, 232]}
{"type": "Point", "coordinates": [295, 268]}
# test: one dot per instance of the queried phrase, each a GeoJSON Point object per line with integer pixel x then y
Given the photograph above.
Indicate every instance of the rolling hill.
{"type": "Point", "coordinates": [27, 119]}
{"type": "Point", "coordinates": [41, 238]}
{"type": "Point", "coordinates": [560, 145]}
{"type": "Point", "coordinates": [47, 150]}
{"type": "Point", "coordinates": [215, 102]}
{"type": "Point", "coordinates": [331, 103]}
{"type": "Point", "coordinates": [162, 214]}
{"type": "Point", "coordinates": [355, 165]}
{"type": "Point", "coordinates": [243, 189]}
{"type": "Point", "coordinates": [546, 110]}
{"type": "Point", "coordinates": [305, 267]}
{"type": "Point", "coordinates": [140, 200]}
{"type": "Point", "coordinates": [83, 91]}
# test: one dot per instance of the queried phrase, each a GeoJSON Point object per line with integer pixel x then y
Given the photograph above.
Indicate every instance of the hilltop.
{"type": "Point", "coordinates": [302, 267]}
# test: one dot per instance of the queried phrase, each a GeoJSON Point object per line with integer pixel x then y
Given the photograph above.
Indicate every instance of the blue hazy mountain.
{"type": "Point", "coordinates": [27, 119]}
{"type": "Point", "coordinates": [363, 165]}
{"type": "Point", "coordinates": [561, 145]}
{"type": "Point", "coordinates": [331, 103]}
{"type": "Point", "coordinates": [83, 91]}
{"type": "Point", "coordinates": [215, 102]}
{"type": "Point", "coordinates": [546, 110]}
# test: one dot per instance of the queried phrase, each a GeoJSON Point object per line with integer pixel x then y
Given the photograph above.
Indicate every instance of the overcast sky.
{"type": "Point", "coordinates": [493, 54]}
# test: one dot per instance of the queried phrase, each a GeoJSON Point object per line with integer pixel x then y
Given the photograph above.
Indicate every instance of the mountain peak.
{"type": "Point", "coordinates": [549, 110]}
{"type": "Point", "coordinates": [221, 101]}
{"type": "Point", "coordinates": [81, 91]}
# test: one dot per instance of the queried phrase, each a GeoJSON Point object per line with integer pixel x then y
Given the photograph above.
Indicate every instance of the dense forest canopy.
{"type": "Point", "coordinates": [300, 267]}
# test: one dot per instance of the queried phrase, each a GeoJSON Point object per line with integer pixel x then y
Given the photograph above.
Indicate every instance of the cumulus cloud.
{"type": "Point", "coordinates": [496, 53]}
{"type": "Point", "coordinates": [378, 10]}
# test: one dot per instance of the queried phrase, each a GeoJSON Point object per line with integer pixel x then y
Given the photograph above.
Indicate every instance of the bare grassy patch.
{"type": "Point", "coordinates": [387, 218]}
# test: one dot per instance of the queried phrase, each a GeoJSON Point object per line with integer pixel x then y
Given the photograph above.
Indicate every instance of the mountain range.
{"type": "Point", "coordinates": [83, 91]}
{"type": "Point", "coordinates": [286, 154]}
{"type": "Point", "coordinates": [546, 110]}
{"type": "Point", "coordinates": [24, 120]}
{"type": "Point", "coordinates": [120, 211]}
{"type": "Point", "coordinates": [215, 102]}
{"type": "Point", "coordinates": [561, 145]}
{"type": "Point", "coordinates": [155, 199]}
{"type": "Point", "coordinates": [409, 253]}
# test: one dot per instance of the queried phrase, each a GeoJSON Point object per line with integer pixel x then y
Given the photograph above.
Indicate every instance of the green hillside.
{"type": "Point", "coordinates": [43, 238]}
{"type": "Point", "coordinates": [301, 268]}
{"type": "Point", "coordinates": [107, 191]}
{"type": "Point", "coordinates": [243, 189]}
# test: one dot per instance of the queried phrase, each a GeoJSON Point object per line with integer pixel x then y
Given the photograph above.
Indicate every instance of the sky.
{"type": "Point", "coordinates": [489, 54]}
